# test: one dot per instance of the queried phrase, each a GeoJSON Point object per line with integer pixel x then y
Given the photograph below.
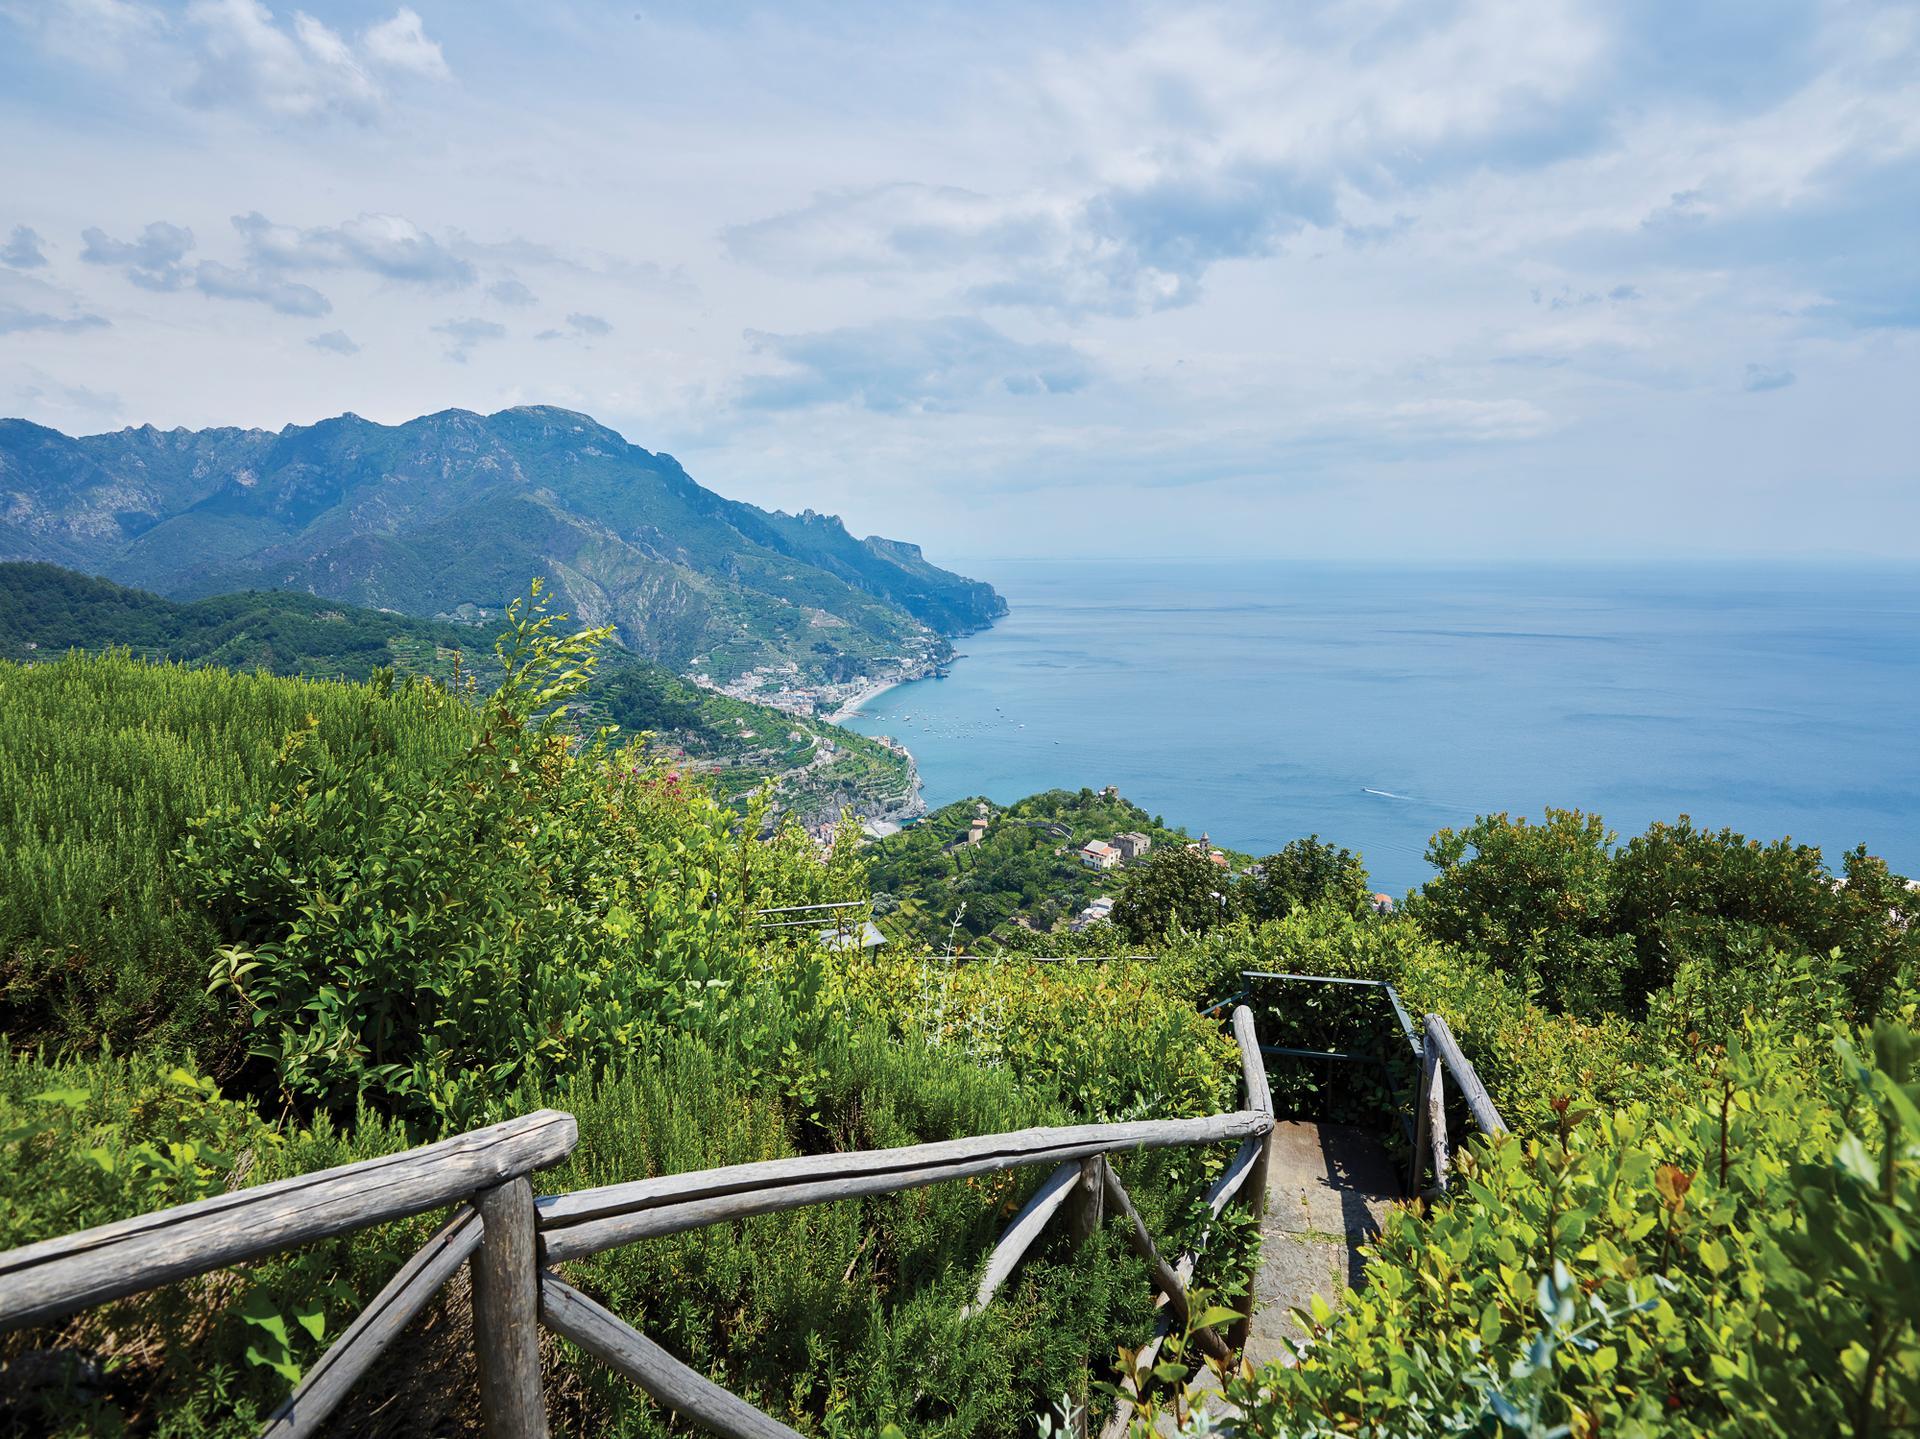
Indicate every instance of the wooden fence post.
{"type": "Point", "coordinates": [1253, 1193]}
{"type": "Point", "coordinates": [1436, 1118]}
{"type": "Point", "coordinates": [1479, 1104]}
{"type": "Point", "coordinates": [1422, 1119]}
{"type": "Point", "coordinates": [1087, 1209]}
{"type": "Point", "coordinates": [506, 1314]}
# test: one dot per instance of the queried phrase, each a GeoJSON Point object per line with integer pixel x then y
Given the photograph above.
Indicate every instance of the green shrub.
{"type": "Point", "coordinates": [1179, 890]}
{"type": "Point", "coordinates": [1739, 1262]}
{"type": "Point", "coordinates": [1116, 1040]}
{"type": "Point", "coordinates": [1537, 900]}
{"type": "Point", "coordinates": [1593, 930]}
{"type": "Point", "coordinates": [103, 762]}
{"type": "Point", "coordinates": [428, 937]}
{"type": "Point", "coordinates": [84, 1143]}
{"type": "Point", "coordinates": [1305, 874]}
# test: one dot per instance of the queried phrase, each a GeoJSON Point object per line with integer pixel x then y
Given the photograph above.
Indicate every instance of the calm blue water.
{"type": "Point", "coordinates": [1374, 706]}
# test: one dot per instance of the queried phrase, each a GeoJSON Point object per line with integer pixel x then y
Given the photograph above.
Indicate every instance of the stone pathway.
{"type": "Point", "coordinates": [1328, 1188]}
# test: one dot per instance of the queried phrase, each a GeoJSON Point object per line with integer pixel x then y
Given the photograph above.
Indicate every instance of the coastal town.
{"type": "Point", "coordinates": [784, 687]}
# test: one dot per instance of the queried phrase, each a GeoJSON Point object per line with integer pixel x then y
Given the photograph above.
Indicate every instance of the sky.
{"type": "Point", "coordinates": [1440, 281]}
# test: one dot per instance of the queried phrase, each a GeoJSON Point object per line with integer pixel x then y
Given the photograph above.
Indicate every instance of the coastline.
{"type": "Point", "coordinates": [853, 706]}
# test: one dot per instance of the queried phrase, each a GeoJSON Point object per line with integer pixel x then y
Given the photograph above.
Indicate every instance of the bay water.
{"type": "Point", "coordinates": [1373, 705]}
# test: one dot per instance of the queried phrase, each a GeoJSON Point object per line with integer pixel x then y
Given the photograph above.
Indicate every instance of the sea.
{"type": "Point", "coordinates": [1374, 705]}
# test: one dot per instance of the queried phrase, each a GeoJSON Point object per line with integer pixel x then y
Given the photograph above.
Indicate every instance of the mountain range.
{"type": "Point", "coordinates": [448, 516]}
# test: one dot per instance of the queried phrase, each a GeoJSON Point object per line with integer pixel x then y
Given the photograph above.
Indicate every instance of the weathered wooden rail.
{"type": "Point", "coordinates": [1432, 1050]}
{"type": "Point", "coordinates": [1439, 1057]}
{"type": "Point", "coordinates": [510, 1239]}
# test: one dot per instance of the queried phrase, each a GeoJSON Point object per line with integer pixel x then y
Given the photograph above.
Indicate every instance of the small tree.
{"type": "Point", "coordinates": [1306, 874]}
{"type": "Point", "coordinates": [1536, 899]}
{"type": "Point", "coordinates": [1178, 888]}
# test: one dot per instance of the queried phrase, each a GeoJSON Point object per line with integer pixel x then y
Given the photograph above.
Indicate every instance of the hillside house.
{"type": "Point", "coordinates": [1132, 845]}
{"type": "Point", "coordinates": [1098, 854]}
{"type": "Point", "coordinates": [866, 935]}
{"type": "Point", "coordinates": [1205, 847]}
{"type": "Point", "coordinates": [1100, 909]}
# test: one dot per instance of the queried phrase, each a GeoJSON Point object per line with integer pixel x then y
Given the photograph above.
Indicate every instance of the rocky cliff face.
{"type": "Point", "coordinates": [453, 513]}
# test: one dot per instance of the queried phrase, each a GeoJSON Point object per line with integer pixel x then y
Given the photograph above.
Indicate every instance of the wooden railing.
{"type": "Point", "coordinates": [1440, 1056]}
{"type": "Point", "coordinates": [510, 1238]}
{"type": "Point", "coordinates": [1434, 1052]}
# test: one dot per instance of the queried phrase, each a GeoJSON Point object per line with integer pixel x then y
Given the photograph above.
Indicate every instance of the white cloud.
{"type": "Point", "coordinates": [24, 250]}
{"type": "Point", "coordinates": [238, 55]}
{"type": "Point", "coordinates": [402, 44]}
{"type": "Point", "coordinates": [1767, 377]}
{"type": "Point", "coordinates": [152, 260]}
{"type": "Point", "coordinates": [97, 34]}
{"type": "Point", "coordinates": [1206, 137]}
{"type": "Point", "coordinates": [385, 245]}
{"type": "Point", "coordinates": [901, 366]}
{"type": "Point", "coordinates": [468, 333]}
{"type": "Point", "coordinates": [224, 282]}
{"type": "Point", "coordinates": [17, 319]}
{"type": "Point", "coordinates": [336, 342]}
{"type": "Point", "coordinates": [243, 59]}
{"type": "Point", "coordinates": [510, 291]}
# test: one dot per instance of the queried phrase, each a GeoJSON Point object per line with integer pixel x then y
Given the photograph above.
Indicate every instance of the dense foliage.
{"type": "Point", "coordinates": [1701, 1225]}
{"type": "Point", "coordinates": [817, 767]}
{"type": "Point", "coordinates": [1024, 877]}
{"type": "Point", "coordinates": [421, 914]}
{"type": "Point", "coordinates": [1179, 890]}
{"type": "Point", "coordinates": [103, 763]}
{"type": "Point", "coordinates": [1595, 927]}
{"type": "Point", "coordinates": [1190, 889]}
{"type": "Point", "coordinates": [1305, 874]}
{"type": "Point", "coordinates": [253, 926]}
{"type": "Point", "coordinates": [1731, 1256]}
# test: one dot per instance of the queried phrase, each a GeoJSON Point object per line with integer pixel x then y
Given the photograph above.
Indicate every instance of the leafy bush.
{"type": "Point", "coordinates": [103, 763]}
{"type": "Point", "coordinates": [429, 936]}
{"type": "Point", "coordinates": [1743, 1259]}
{"type": "Point", "coordinates": [1107, 1040]}
{"type": "Point", "coordinates": [1535, 899]}
{"type": "Point", "coordinates": [88, 1142]}
{"type": "Point", "coordinates": [1178, 890]}
{"type": "Point", "coordinates": [1594, 930]}
{"type": "Point", "coordinates": [1305, 874]}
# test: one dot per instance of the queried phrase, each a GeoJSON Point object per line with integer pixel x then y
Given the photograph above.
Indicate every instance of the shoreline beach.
{"type": "Point", "coordinates": [853, 706]}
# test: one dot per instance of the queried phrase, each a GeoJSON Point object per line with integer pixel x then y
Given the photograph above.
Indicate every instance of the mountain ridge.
{"type": "Point", "coordinates": [448, 514]}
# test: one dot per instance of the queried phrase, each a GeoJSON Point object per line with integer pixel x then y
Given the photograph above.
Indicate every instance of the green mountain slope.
{"type": "Point", "coordinates": [446, 516]}
{"type": "Point", "coordinates": [1026, 868]}
{"type": "Point", "coordinates": [818, 767]}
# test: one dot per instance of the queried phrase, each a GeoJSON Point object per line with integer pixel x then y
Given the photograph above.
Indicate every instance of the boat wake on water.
{"type": "Point", "coordinates": [1434, 804]}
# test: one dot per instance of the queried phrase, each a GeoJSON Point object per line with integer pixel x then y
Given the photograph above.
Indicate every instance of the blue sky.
{"type": "Point", "coordinates": [1428, 281]}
